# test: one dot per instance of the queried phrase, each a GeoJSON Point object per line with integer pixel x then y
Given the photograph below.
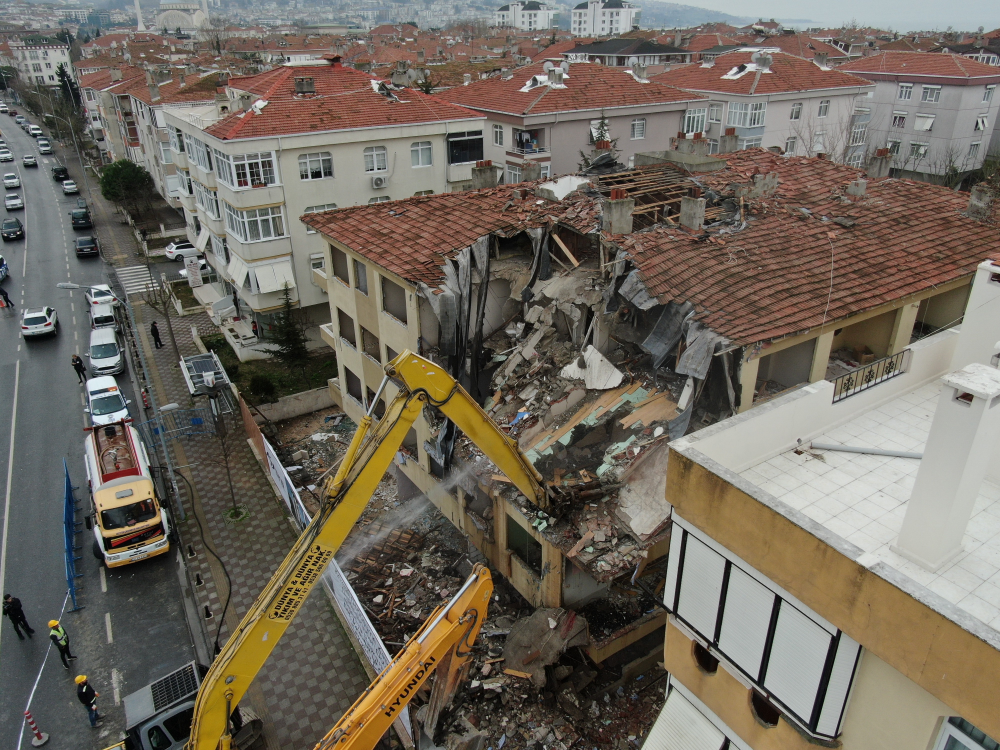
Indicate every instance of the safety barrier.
{"type": "Point", "coordinates": [70, 530]}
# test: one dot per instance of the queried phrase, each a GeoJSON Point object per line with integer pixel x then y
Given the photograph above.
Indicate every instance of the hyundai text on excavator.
{"type": "Point", "coordinates": [445, 640]}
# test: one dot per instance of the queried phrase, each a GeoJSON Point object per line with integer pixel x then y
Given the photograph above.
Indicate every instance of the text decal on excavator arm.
{"type": "Point", "coordinates": [414, 682]}
{"type": "Point", "coordinates": [303, 579]}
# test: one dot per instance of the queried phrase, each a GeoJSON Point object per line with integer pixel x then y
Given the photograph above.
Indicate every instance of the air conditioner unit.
{"type": "Point", "coordinates": [379, 182]}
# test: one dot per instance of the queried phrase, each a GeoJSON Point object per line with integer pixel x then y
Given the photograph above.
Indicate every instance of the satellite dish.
{"type": "Point", "coordinates": [412, 75]}
{"type": "Point", "coordinates": [755, 57]}
{"type": "Point", "coordinates": [632, 61]}
{"type": "Point", "coordinates": [565, 66]}
{"type": "Point", "coordinates": [547, 66]}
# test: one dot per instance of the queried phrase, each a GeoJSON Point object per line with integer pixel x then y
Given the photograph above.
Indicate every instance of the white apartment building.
{"type": "Point", "coordinates": [604, 17]}
{"type": "Point", "coordinates": [526, 16]}
{"type": "Point", "coordinates": [38, 58]}
{"type": "Point", "coordinates": [295, 140]}
{"type": "Point", "coordinates": [936, 113]}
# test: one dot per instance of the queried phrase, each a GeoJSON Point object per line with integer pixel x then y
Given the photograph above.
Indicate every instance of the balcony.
{"type": "Point", "coordinates": [187, 201]}
{"type": "Point", "coordinates": [319, 278]}
{"type": "Point", "coordinates": [869, 375]}
{"type": "Point", "coordinates": [329, 335]}
{"type": "Point", "coordinates": [205, 176]}
{"type": "Point", "coordinates": [266, 195]}
{"type": "Point", "coordinates": [180, 159]}
{"type": "Point", "coordinates": [528, 142]}
{"type": "Point", "coordinates": [254, 251]}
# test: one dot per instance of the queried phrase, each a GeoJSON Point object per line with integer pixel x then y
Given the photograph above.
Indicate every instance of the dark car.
{"type": "Point", "coordinates": [86, 246]}
{"type": "Point", "coordinates": [11, 229]}
{"type": "Point", "coordinates": [60, 173]}
{"type": "Point", "coordinates": [80, 218]}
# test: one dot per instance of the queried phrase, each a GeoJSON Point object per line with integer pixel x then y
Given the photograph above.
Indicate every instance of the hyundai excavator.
{"type": "Point", "coordinates": [443, 642]}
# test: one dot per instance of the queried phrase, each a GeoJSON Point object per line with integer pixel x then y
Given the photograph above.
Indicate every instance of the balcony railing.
{"type": "Point", "coordinates": [532, 150]}
{"type": "Point", "coordinates": [870, 375]}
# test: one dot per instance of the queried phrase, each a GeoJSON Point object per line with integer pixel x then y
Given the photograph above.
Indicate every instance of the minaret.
{"type": "Point", "coordinates": [138, 13]}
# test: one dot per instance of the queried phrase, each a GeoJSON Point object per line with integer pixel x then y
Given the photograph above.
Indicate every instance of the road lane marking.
{"type": "Point", "coordinates": [74, 320]}
{"type": "Point", "coordinates": [104, 580]}
{"type": "Point", "coordinates": [10, 472]}
{"type": "Point", "coordinates": [116, 679]}
{"type": "Point", "coordinates": [107, 626]}
{"type": "Point", "coordinates": [72, 306]}
{"type": "Point", "coordinates": [76, 336]}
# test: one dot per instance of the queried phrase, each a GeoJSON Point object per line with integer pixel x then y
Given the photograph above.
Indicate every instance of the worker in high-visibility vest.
{"type": "Point", "coordinates": [60, 637]}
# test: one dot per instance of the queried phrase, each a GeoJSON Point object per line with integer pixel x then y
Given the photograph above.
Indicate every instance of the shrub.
{"type": "Point", "coordinates": [263, 389]}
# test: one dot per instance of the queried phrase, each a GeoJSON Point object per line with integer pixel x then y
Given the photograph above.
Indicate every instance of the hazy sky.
{"type": "Point", "coordinates": [894, 14]}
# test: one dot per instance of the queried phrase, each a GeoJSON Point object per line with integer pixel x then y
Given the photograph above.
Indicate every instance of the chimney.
{"type": "Point", "coordinates": [980, 202]}
{"type": "Point", "coordinates": [556, 76]}
{"type": "Point", "coordinates": [678, 40]}
{"type": "Point", "coordinates": [617, 215]}
{"type": "Point", "coordinates": [857, 188]}
{"type": "Point", "coordinates": [980, 330]}
{"type": "Point", "coordinates": [820, 59]}
{"type": "Point", "coordinates": [181, 80]}
{"type": "Point", "coordinates": [305, 85]}
{"type": "Point", "coordinates": [959, 449]}
{"type": "Point", "coordinates": [729, 142]}
{"type": "Point", "coordinates": [466, 79]}
{"type": "Point", "coordinates": [692, 213]}
{"type": "Point", "coordinates": [484, 175]}
{"type": "Point", "coordinates": [639, 71]}
{"type": "Point", "coordinates": [420, 57]}
{"type": "Point", "coordinates": [878, 166]}
{"type": "Point", "coordinates": [116, 74]}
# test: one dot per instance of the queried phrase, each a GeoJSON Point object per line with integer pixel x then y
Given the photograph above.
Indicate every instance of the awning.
{"type": "Point", "coordinates": [202, 242]}
{"type": "Point", "coordinates": [274, 276]}
{"type": "Point", "coordinates": [207, 294]}
{"type": "Point", "coordinates": [681, 726]}
{"type": "Point", "coordinates": [237, 271]}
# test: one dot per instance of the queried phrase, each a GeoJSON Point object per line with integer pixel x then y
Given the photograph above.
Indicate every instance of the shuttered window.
{"type": "Point", "coordinates": [701, 586]}
{"type": "Point", "coordinates": [798, 654]}
{"type": "Point", "coordinates": [681, 726]}
{"type": "Point", "coordinates": [839, 685]}
{"type": "Point", "coordinates": [746, 621]}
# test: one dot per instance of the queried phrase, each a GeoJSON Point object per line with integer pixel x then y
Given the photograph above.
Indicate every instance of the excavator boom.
{"type": "Point", "coordinates": [421, 383]}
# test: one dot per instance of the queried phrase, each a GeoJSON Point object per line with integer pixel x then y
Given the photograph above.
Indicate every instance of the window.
{"type": "Point", "coordinates": [360, 277]}
{"type": "Point", "coordinates": [340, 265]}
{"type": "Point", "coordinates": [206, 199]}
{"type": "Point", "coordinates": [796, 112]}
{"type": "Point", "coordinates": [703, 657]}
{"type": "Point", "coordinates": [246, 170]}
{"type": "Point", "coordinates": [824, 107]}
{"type": "Point", "coordinates": [379, 410]}
{"type": "Point", "coordinates": [423, 192]}
{"type": "Point", "coordinates": [186, 183]}
{"type": "Point", "coordinates": [694, 120]}
{"type": "Point", "coordinates": [513, 174]}
{"type": "Point", "coordinates": [745, 143]}
{"type": "Point", "coordinates": [179, 725]}
{"type": "Point", "coordinates": [498, 135]}
{"type": "Point", "coordinates": [465, 147]}
{"type": "Point", "coordinates": [176, 137]}
{"type": "Point", "coordinates": [905, 91]}
{"type": "Point", "coordinates": [379, 199]}
{"type": "Point", "coordinates": [958, 734]}
{"type": "Point", "coordinates": [354, 386]}
{"type": "Point", "coordinates": [637, 130]}
{"type": "Point", "coordinates": [930, 94]}
{"type": "Point", "coordinates": [166, 155]}
{"type": "Point", "coordinates": [547, 170]}
{"type": "Point", "coordinates": [859, 133]}
{"type": "Point", "coordinates": [527, 549]}
{"type": "Point", "coordinates": [316, 210]}
{"type": "Point", "coordinates": [36, 68]}
{"type": "Point", "coordinates": [715, 113]}
{"type": "Point", "coordinates": [420, 154]}
{"type": "Point", "coordinates": [988, 94]}
{"type": "Point", "coordinates": [981, 123]}
{"type": "Point", "coordinates": [763, 710]}
{"type": "Point", "coordinates": [394, 300]}
{"type": "Point", "coordinates": [757, 112]}
{"type": "Point", "coordinates": [375, 159]}
{"type": "Point", "coordinates": [923, 122]}
{"type": "Point", "coordinates": [713, 145]}
{"type": "Point", "coordinates": [315, 166]}
{"type": "Point", "coordinates": [791, 143]}
{"type": "Point", "coordinates": [893, 147]}
{"type": "Point", "coordinates": [345, 325]}
{"type": "Point", "coordinates": [854, 160]}
{"type": "Point", "coordinates": [158, 738]}
{"type": "Point", "coordinates": [899, 119]}
{"type": "Point", "coordinates": [390, 354]}
{"type": "Point", "coordinates": [739, 113]}
{"type": "Point", "coordinates": [919, 150]}
{"type": "Point", "coordinates": [974, 150]}
{"type": "Point", "coordinates": [255, 224]}
{"type": "Point", "coordinates": [199, 152]}
{"type": "Point", "coordinates": [370, 345]}
{"type": "Point", "coordinates": [219, 248]}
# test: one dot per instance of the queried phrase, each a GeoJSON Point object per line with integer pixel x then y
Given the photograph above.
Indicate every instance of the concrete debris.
{"type": "Point", "coordinates": [595, 371]}
{"type": "Point", "coordinates": [538, 640]}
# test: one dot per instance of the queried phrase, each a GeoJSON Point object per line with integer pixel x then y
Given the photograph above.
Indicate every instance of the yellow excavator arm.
{"type": "Point", "coordinates": [443, 642]}
{"type": "Point", "coordinates": [421, 383]}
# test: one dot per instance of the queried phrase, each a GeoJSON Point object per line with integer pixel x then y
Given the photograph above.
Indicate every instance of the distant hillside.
{"type": "Point", "coordinates": [658, 15]}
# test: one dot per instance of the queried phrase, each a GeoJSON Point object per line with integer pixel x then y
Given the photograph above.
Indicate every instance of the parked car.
{"type": "Point", "coordinates": [103, 316]}
{"type": "Point", "coordinates": [4, 268]}
{"type": "Point", "coordinates": [39, 321]}
{"type": "Point", "coordinates": [6, 155]}
{"type": "Point", "coordinates": [11, 229]}
{"type": "Point", "coordinates": [69, 188]}
{"type": "Point", "coordinates": [202, 266]}
{"type": "Point", "coordinates": [11, 180]}
{"type": "Point", "coordinates": [80, 218]}
{"type": "Point", "coordinates": [105, 402]}
{"type": "Point", "coordinates": [105, 355]}
{"type": "Point", "coordinates": [44, 147]}
{"type": "Point", "coordinates": [13, 202]}
{"type": "Point", "coordinates": [60, 173]}
{"type": "Point", "coordinates": [19, 118]}
{"type": "Point", "coordinates": [29, 160]}
{"type": "Point", "coordinates": [86, 246]}
{"type": "Point", "coordinates": [34, 131]}
{"type": "Point", "coordinates": [100, 294]}
{"type": "Point", "coordinates": [13, 113]}
{"type": "Point", "coordinates": [3, 108]}
{"type": "Point", "coordinates": [180, 250]}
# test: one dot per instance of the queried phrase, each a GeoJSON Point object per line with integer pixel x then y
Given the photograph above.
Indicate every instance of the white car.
{"type": "Point", "coordinates": [4, 109]}
{"type": "Point", "coordinates": [100, 294]}
{"type": "Point", "coordinates": [29, 160]}
{"type": "Point", "coordinates": [13, 202]}
{"type": "Point", "coordinates": [39, 321]}
{"type": "Point", "coordinates": [70, 188]}
{"type": "Point", "coordinates": [105, 402]}
{"type": "Point", "coordinates": [181, 250]}
{"type": "Point", "coordinates": [202, 266]}
{"type": "Point", "coordinates": [11, 180]}
{"type": "Point", "coordinates": [6, 155]}
{"type": "Point", "coordinates": [34, 131]}
{"type": "Point", "coordinates": [44, 147]}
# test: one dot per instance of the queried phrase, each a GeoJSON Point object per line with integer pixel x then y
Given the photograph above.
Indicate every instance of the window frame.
{"type": "Point", "coordinates": [313, 162]}
{"type": "Point", "coordinates": [988, 93]}
{"type": "Point", "coordinates": [906, 88]}
{"type": "Point", "coordinates": [793, 142]}
{"type": "Point", "coordinates": [637, 129]}
{"type": "Point", "coordinates": [796, 111]}
{"type": "Point", "coordinates": [930, 94]}
{"type": "Point", "coordinates": [758, 112]}
{"type": "Point", "coordinates": [693, 117]}
{"type": "Point", "coordinates": [982, 124]}
{"type": "Point", "coordinates": [473, 154]}
{"type": "Point", "coordinates": [417, 151]}
{"type": "Point", "coordinates": [752, 141]}
{"type": "Point", "coordinates": [360, 271]}
{"type": "Point", "coordinates": [373, 164]}
{"type": "Point", "coordinates": [738, 114]}
{"type": "Point", "coordinates": [894, 145]}
{"type": "Point", "coordinates": [498, 135]}
{"type": "Point", "coordinates": [236, 171]}
{"type": "Point", "coordinates": [513, 174]}
{"type": "Point", "coordinates": [239, 223]}
{"type": "Point", "coordinates": [973, 152]}
{"type": "Point", "coordinates": [824, 108]}
{"type": "Point", "coordinates": [317, 209]}
{"type": "Point", "coordinates": [717, 110]}
{"type": "Point", "coordinates": [898, 120]}
{"type": "Point", "coordinates": [921, 119]}
{"type": "Point", "coordinates": [915, 146]}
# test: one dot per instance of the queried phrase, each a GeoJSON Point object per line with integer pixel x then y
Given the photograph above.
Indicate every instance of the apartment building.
{"type": "Point", "coordinates": [935, 113]}
{"type": "Point", "coordinates": [526, 16]}
{"type": "Point", "coordinates": [97, 90]}
{"type": "Point", "coordinates": [832, 575]}
{"type": "Point", "coordinates": [38, 57]}
{"type": "Point", "coordinates": [291, 141]}
{"type": "Point", "coordinates": [604, 17]}
{"type": "Point", "coordinates": [541, 117]}
{"type": "Point", "coordinates": [771, 99]}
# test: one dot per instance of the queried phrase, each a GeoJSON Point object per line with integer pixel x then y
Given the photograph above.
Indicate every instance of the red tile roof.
{"type": "Point", "coordinates": [589, 86]}
{"type": "Point", "coordinates": [787, 73]}
{"type": "Point", "coordinates": [804, 46]}
{"type": "Point", "coordinates": [344, 99]}
{"type": "Point", "coordinates": [700, 42]}
{"type": "Point", "coordinates": [102, 78]}
{"type": "Point", "coordinates": [921, 64]}
{"type": "Point", "coordinates": [772, 279]}
{"type": "Point", "coordinates": [196, 88]}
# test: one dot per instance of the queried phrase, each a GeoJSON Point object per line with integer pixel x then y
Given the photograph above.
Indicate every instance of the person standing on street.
{"type": "Point", "coordinates": [12, 609]}
{"type": "Point", "coordinates": [81, 369]}
{"type": "Point", "coordinates": [155, 333]}
{"type": "Point", "coordinates": [60, 637]}
{"type": "Point", "coordinates": [6, 299]}
{"type": "Point", "coordinates": [88, 697]}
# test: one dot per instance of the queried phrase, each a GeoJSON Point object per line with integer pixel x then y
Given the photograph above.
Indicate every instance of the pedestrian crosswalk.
{"type": "Point", "coordinates": [136, 279]}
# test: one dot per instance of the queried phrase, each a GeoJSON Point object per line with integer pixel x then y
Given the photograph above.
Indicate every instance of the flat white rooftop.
{"type": "Point", "coordinates": [862, 498]}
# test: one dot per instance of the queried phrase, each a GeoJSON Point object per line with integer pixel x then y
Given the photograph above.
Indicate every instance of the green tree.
{"type": "Point", "coordinates": [426, 85]}
{"type": "Point", "coordinates": [68, 87]}
{"type": "Point", "coordinates": [290, 337]}
{"type": "Point", "coordinates": [129, 186]}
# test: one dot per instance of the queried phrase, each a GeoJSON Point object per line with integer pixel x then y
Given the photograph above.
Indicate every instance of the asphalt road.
{"type": "Point", "coordinates": [132, 627]}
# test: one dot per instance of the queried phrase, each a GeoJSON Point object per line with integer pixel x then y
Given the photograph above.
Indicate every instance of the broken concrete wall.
{"type": "Point", "coordinates": [429, 325]}
{"type": "Point", "coordinates": [579, 587]}
{"type": "Point", "coordinates": [642, 501]}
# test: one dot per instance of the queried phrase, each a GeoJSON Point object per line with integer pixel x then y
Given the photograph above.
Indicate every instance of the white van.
{"type": "Point", "coordinates": [103, 316]}
{"type": "Point", "coordinates": [34, 131]}
{"type": "Point", "coordinates": [105, 354]}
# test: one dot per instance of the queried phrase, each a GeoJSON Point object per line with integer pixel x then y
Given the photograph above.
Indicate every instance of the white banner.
{"type": "Point", "coordinates": [192, 264]}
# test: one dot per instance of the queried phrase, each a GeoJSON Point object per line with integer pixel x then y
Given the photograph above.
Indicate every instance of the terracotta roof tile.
{"type": "Point", "coordinates": [921, 63]}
